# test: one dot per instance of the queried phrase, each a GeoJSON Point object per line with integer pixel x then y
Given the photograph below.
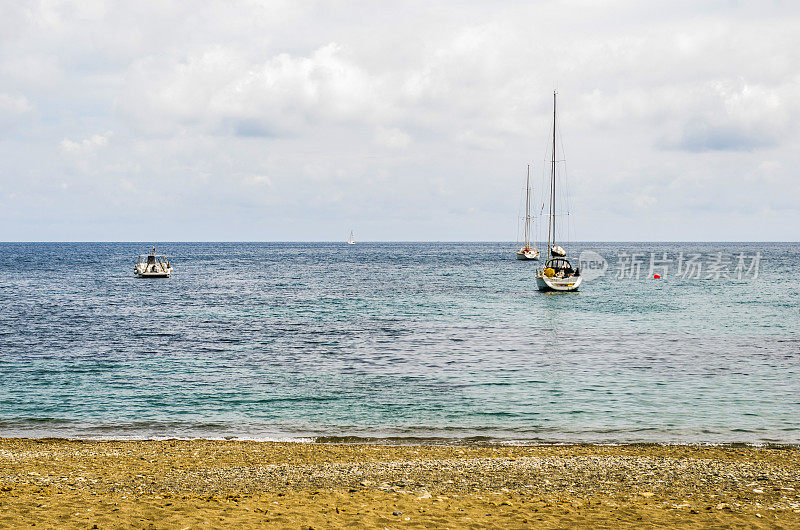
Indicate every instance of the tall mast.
{"type": "Point", "coordinates": [528, 210]}
{"type": "Point", "coordinates": [551, 229]}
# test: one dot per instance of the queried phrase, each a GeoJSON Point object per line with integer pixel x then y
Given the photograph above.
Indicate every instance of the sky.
{"type": "Point", "coordinates": [403, 121]}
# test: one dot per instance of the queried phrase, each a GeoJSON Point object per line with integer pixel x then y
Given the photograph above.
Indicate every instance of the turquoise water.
{"type": "Point", "coordinates": [408, 341]}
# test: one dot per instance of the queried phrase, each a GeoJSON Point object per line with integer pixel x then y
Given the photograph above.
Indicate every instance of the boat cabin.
{"type": "Point", "coordinates": [561, 267]}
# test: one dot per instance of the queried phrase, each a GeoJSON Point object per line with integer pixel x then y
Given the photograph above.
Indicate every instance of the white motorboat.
{"type": "Point", "coordinates": [558, 273]}
{"type": "Point", "coordinates": [152, 266]}
{"type": "Point", "coordinates": [527, 252]}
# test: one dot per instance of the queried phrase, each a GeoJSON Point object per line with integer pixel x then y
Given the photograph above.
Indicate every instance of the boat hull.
{"type": "Point", "coordinates": [571, 283]}
{"type": "Point", "coordinates": [158, 273]}
{"type": "Point", "coordinates": [530, 255]}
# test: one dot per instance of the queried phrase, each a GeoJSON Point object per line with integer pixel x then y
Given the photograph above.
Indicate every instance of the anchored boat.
{"type": "Point", "coordinates": [152, 266]}
{"type": "Point", "coordinates": [558, 273]}
{"type": "Point", "coordinates": [527, 252]}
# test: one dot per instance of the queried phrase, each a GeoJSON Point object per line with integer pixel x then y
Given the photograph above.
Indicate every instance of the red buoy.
{"type": "Point", "coordinates": [657, 276]}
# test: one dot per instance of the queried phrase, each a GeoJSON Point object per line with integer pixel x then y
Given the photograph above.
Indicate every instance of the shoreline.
{"type": "Point", "coordinates": [78, 483]}
{"type": "Point", "coordinates": [400, 441]}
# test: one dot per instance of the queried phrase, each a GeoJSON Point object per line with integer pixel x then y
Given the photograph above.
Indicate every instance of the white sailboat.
{"type": "Point", "coordinates": [558, 273]}
{"type": "Point", "coordinates": [527, 252]}
{"type": "Point", "coordinates": [351, 240]}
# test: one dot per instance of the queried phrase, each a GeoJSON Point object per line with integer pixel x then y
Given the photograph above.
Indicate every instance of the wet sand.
{"type": "Point", "coordinates": [189, 484]}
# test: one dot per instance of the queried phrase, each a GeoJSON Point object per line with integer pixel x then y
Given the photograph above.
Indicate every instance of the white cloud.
{"type": "Point", "coordinates": [218, 92]}
{"type": "Point", "coordinates": [392, 137]}
{"type": "Point", "coordinates": [392, 112]}
{"type": "Point", "coordinates": [257, 180]}
{"type": "Point", "coordinates": [84, 146]}
{"type": "Point", "coordinates": [475, 140]}
{"type": "Point", "coordinates": [730, 115]}
{"type": "Point", "coordinates": [14, 104]}
{"type": "Point", "coordinates": [14, 110]}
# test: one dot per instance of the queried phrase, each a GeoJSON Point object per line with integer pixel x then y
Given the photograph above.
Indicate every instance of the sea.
{"type": "Point", "coordinates": [401, 343]}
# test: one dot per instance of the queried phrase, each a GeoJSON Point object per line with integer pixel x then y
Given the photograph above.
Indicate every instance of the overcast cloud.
{"type": "Point", "coordinates": [401, 120]}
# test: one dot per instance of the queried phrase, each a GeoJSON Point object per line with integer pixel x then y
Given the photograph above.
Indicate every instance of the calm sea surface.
{"type": "Point", "coordinates": [434, 341]}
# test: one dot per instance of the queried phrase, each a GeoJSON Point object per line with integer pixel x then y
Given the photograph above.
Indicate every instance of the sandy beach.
{"type": "Point", "coordinates": [55, 483]}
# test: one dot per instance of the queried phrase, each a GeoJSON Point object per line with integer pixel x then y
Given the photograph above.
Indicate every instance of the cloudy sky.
{"type": "Point", "coordinates": [300, 120]}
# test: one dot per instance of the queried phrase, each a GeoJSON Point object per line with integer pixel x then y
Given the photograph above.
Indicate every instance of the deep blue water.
{"type": "Point", "coordinates": [398, 340]}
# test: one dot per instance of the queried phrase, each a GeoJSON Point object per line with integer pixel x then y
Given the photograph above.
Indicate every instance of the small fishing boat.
{"type": "Point", "coordinates": [152, 266]}
{"type": "Point", "coordinates": [558, 273]}
{"type": "Point", "coordinates": [527, 252]}
{"type": "Point", "coordinates": [351, 240]}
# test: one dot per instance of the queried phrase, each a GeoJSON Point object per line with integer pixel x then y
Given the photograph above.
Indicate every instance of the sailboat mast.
{"type": "Point", "coordinates": [528, 210]}
{"type": "Point", "coordinates": [551, 230]}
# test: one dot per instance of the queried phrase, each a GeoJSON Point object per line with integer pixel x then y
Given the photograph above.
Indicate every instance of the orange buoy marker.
{"type": "Point", "coordinates": [657, 276]}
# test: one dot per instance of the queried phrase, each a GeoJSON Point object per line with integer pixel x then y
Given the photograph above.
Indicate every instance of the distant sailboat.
{"type": "Point", "coordinates": [351, 240]}
{"type": "Point", "coordinates": [527, 252]}
{"type": "Point", "coordinates": [558, 274]}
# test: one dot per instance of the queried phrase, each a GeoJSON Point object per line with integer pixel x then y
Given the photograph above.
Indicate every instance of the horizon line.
{"type": "Point", "coordinates": [326, 241]}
